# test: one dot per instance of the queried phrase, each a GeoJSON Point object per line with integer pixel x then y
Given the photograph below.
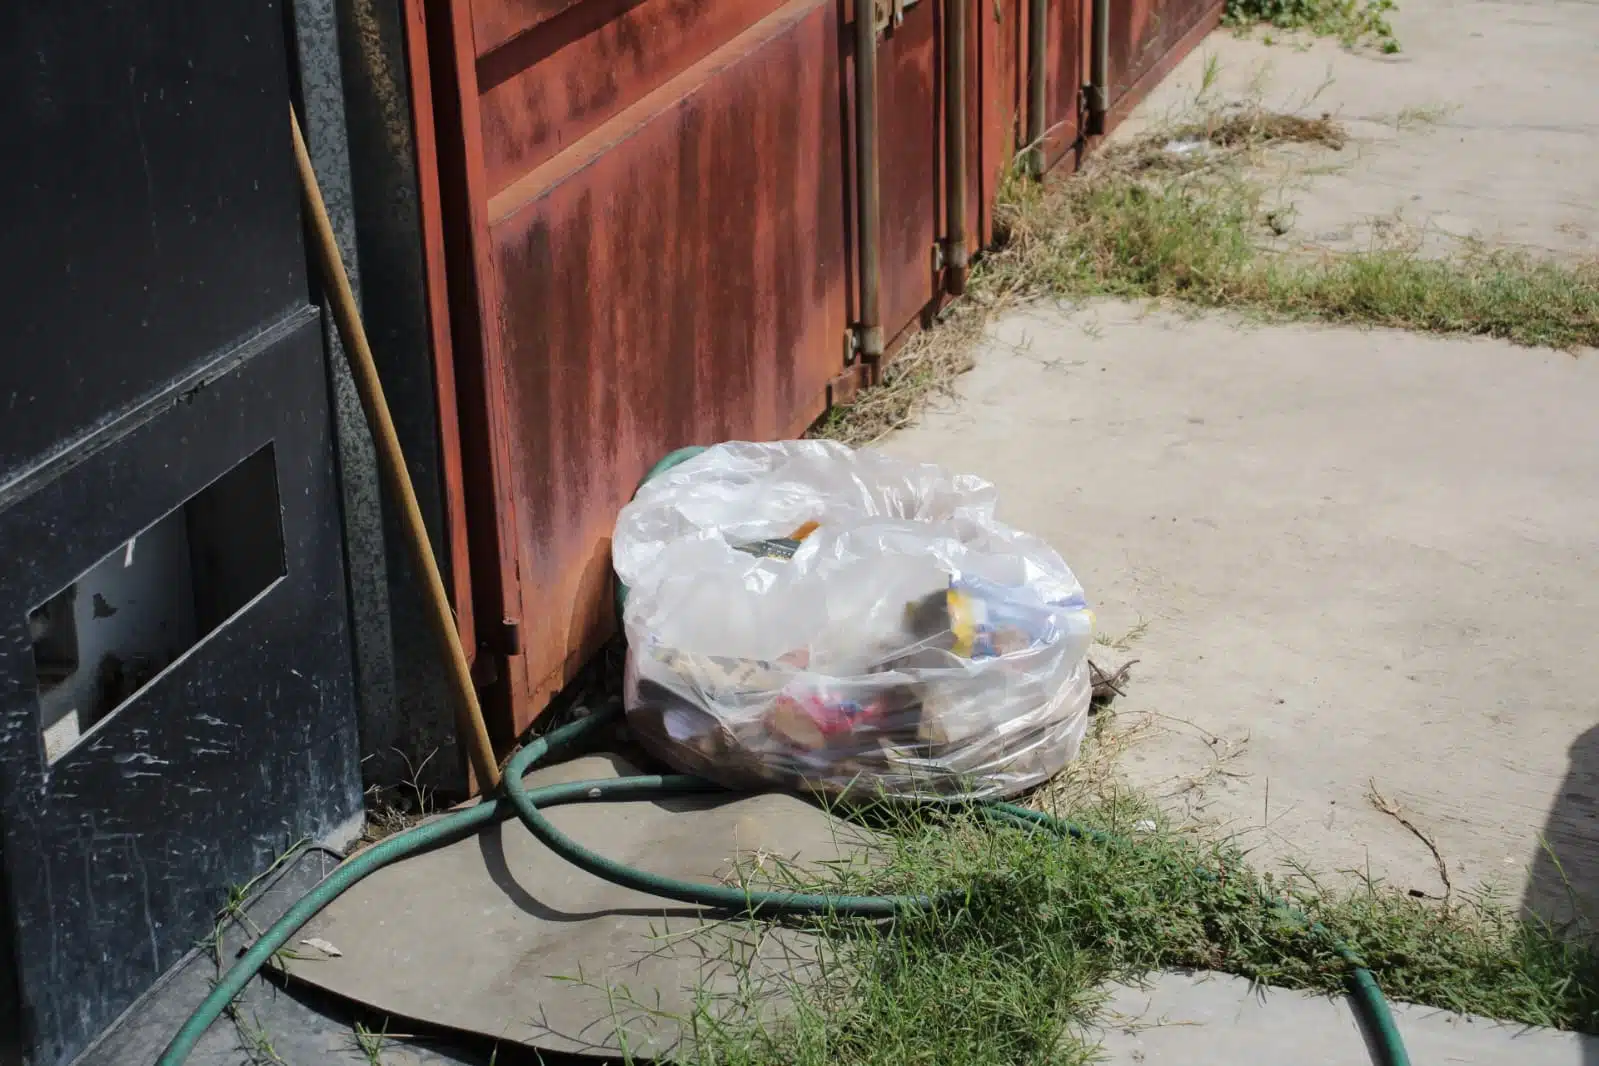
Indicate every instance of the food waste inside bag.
{"type": "Point", "coordinates": [803, 615]}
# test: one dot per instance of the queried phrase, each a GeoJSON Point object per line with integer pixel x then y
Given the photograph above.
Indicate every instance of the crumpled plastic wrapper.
{"type": "Point", "coordinates": [806, 616]}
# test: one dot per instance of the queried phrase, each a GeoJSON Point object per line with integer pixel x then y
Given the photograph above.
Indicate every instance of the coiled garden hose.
{"type": "Point", "coordinates": [1387, 1046]}
{"type": "Point", "coordinates": [529, 805]}
{"type": "Point", "coordinates": [722, 897]}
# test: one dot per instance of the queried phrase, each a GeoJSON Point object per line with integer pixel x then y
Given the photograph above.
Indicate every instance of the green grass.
{"type": "Point", "coordinates": [1353, 22]}
{"type": "Point", "coordinates": [1015, 974]}
{"type": "Point", "coordinates": [1136, 225]}
{"type": "Point", "coordinates": [254, 1041]}
{"type": "Point", "coordinates": [233, 910]}
{"type": "Point", "coordinates": [371, 1042]}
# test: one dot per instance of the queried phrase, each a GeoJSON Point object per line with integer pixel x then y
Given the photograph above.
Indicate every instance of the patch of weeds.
{"type": "Point", "coordinates": [925, 367]}
{"type": "Point", "coordinates": [1352, 22]}
{"type": "Point", "coordinates": [395, 808]}
{"type": "Point", "coordinates": [370, 1042]}
{"type": "Point", "coordinates": [1011, 969]}
{"type": "Point", "coordinates": [1147, 222]}
{"type": "Point", "coordinates": [1422, 115]}
{"type": "Point", "coordinates": [254, 1041]}
{"type": "Point", "coordinates": [233, 906]}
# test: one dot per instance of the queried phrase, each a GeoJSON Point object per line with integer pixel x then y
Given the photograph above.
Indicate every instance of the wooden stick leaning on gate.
{"type": "Point", "coordinates": [470, 731]}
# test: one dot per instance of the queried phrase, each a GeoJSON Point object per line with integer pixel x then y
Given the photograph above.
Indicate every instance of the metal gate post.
{"type": "Point", "coordinates": [870, 327]}
{"type": "Point", "coordinates": [955, 254]}
{"type": "Point", "coordinates": [1099, 70]}
{"type": "Point", "coordinates": [1037, 57]}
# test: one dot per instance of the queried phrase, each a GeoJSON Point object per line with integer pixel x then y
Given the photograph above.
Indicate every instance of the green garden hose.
{"type": "Point", "coordinates": [1388, 1047]}
{"type": "Point", "coordinates": [738, 900]}
{"type": "Point", "coordinates": [530, 804]}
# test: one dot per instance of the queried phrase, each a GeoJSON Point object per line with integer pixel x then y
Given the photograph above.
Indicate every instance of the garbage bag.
{"type": "Point", "coordinates": [809, 616]}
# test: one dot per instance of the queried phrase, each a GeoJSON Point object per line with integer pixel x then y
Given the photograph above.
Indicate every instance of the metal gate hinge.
{"type": "Point", "coordinates": [863, 343]}
{"type": "Point", "coordinates": [1091, 99]}
{"type": "Point", "coordinates": [509, 637]}
{"type": "Point", "coordinates": [499, 642]}
{"type": "Point", "coordinates": [890, 14]}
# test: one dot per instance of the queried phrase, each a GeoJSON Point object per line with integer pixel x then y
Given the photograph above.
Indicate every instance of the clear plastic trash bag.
{"type": "Point", "coordinates": [804, 615]}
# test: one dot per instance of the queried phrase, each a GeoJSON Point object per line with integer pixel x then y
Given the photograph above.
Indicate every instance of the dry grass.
{"type": "Point", "coordinates": [1214, 138]}
{"type": "Point", "coordinates": [1249, 127]}
{"type": "Point", "coordinates": [924, 368]}
{"type": "Point", "coordinates": [394, 808]}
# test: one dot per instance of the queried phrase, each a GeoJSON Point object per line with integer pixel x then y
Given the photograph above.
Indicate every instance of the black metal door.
{"type": "Point", "coordinates": [175, 677]}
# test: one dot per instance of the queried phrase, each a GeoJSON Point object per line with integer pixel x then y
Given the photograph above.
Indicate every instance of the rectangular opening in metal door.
{"type": "Point", "coordinates": [100, 640]}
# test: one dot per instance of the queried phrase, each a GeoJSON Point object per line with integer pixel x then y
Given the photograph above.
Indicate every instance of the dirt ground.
{"type": "Point", "coordinates": [1360, 569]}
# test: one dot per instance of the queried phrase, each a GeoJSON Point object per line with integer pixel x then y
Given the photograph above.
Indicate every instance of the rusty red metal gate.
{"type": "Point", "coordinates": [1147, 39]}
{"type": "Point", "coordinates": [646, 203]}
{"type": "Point", "coordinates": [645, 233]}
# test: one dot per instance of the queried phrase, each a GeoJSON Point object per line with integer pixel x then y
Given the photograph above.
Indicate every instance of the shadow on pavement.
{"type": "Point", "coordinates": [1564, 882]}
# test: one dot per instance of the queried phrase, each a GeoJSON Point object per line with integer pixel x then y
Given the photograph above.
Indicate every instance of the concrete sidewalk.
{"type": "Point", "coordinates": [1349, 561]}
{"type": "Point", "coordinates": [1362, 557]}
{"type": "Point", "coordinates": [1485, 126]}
{"type": "Point", "coordinates": [1208, 1020]}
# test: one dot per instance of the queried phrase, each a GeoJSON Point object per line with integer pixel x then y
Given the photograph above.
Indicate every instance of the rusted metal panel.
{"type": "Point", "coordinates": [999, 92]}
{"type": "Point", "coordinates": [910, 119]}
{"type": "Point", "coordinates": [648, 226]}
{"type": "Point", "coordinates": [464, 206]}
{"type": "Point", "coordinates": [496, 22]}
{"type": "Point", "coordinates": [562, 78]}
{"type": "Point", "coordinates": [429, 212]}
{"type": "Point", "coordinates": [674, 276]}
{"type": "Point", "coordinates": [1148, 38]}
{"type": "Point", "coordinates": [1063, 83]}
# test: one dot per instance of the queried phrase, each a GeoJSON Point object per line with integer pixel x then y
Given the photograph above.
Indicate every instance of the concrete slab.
{"type": "Point", "coordinates": [1362, 557]}
{"type": "Point", "coordinates": [1365, 559]}
{"type": "Point", "coordinates": [1156, 1025]}
{"type": "Point", "coordinates": [1484, 126]}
